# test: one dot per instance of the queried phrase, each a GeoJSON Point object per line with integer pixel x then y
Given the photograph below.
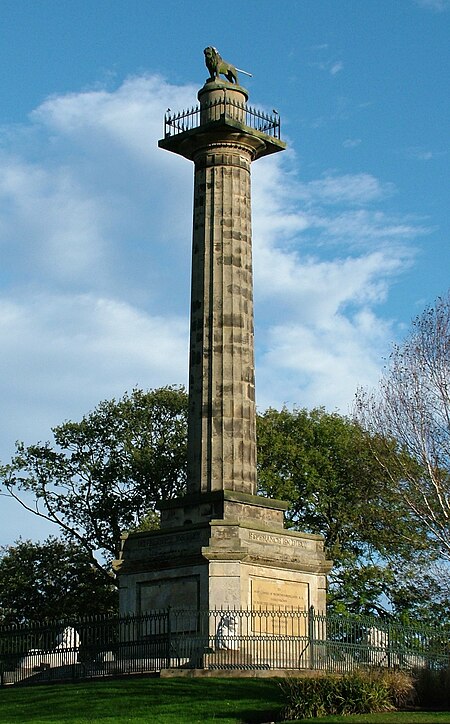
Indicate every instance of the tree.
{"type": "Point", "coordinates": [106, 474]}
{"type": "Point", "coordinates": [53, 579]}
{"type": "Point", "coordinates": [411, 410]}
{"type": "Point", "coordinates": [322, 464]}
{"type": "Point", "coordinates": [423, 593]}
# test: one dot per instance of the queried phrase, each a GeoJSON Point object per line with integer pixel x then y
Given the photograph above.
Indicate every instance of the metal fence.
{"type": "Point", "coordinates": [215, 640]}
{"type": "Point", "coordinates": [221, 109]}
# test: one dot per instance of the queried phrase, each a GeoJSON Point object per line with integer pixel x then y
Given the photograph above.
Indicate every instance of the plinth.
{"type": "Point", "coordinates": [221, 545]}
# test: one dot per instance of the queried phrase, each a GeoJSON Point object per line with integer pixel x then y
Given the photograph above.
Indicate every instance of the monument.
{"type": "Point", "coordinates": [222, 546]}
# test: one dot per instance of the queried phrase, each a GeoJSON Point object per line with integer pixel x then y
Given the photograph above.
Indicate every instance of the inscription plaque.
{"type": "Point", "coordinates": [276, 597]}
{"type": "Point", "coordinates": [178, 593]}
{"type": "Point", "coordinates": [278, 540]}
{"type": "Point", "coordinates": [171, 542]}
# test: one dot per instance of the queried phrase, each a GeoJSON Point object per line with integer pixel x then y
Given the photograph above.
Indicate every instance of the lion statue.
{"type": "Point", "coordinates": [216, 66]}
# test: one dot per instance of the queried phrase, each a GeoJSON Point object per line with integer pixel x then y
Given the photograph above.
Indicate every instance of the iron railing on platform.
{"type": "Point", "coordinates": [222, 109]}
{"type": "Point", "coordinates": [223, 639]}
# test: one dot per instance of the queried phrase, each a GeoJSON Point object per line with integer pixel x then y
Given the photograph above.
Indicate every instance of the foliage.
{"type": "Point", "coordinates": [433, 687]}
{"type": "Point", "coordinates": [356, 693]}
{"type": "Point", "coordinates": [106, 474]}
{"type": "Point", "coordinates": [422, 593]}
{"type": "Point", "coordinates": [411, 410]}
{"type": "Point", "coordinates": [53, 579]}
{"type": "Point", "coordinates": [322, 464]}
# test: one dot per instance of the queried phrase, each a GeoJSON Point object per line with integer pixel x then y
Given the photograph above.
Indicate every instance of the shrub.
{"type": "Point", "coordinates": [360, 692]}
{"type": "Point", "coordinates": [432, 687]}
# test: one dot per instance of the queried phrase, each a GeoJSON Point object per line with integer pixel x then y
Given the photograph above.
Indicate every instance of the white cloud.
{"type": "Point", "coordinates": [94, 206]}
{"type": "Point", "coordinates": [317, 364]}
{"type": "Point", "coordinates": [336, 67]}
{"type": "Point", "coordinates": [365, 225]}
{"type": "Point", "coordinates": [349, 189]}
{"type": "Point", "coordinates": [48, 214]}
{"type": "Point", "coordinates": [63, 353]}
{"type": "Point", "coordinates": [329, 66]}
{"type": "Point", "coordinates": [351, 142]}
{"type": "Point", "coordinates": [420, 153]}
{"type": "Point", "coordinates": [128, 118]}
{"type": "Point", "coordinates": [95, 247]}
{"type": "Point", "coordinates": [436, 5]}
{"type": "Point", "coordinates": [324, 263]}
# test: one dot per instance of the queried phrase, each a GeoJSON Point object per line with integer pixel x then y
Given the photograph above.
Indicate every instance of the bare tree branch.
{"type": "Point", "coordinates": [412, 407]}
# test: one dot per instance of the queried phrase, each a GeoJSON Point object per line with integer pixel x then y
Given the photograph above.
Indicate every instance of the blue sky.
{"type": "Point", "coordinates": [350, 224]}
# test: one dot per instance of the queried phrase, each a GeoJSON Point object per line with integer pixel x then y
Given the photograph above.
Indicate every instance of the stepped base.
{"type": "Point", "coordinates": [245, 562]}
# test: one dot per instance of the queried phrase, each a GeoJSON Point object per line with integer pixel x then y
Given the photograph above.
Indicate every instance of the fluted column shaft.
{"type": "Point", "coordinates": [222, 414]}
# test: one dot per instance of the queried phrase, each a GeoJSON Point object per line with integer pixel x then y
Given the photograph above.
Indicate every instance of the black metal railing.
{"type": "Point", "coordinates": [223, 639]}
{"type": "Point", "coordinates": [221, 109]}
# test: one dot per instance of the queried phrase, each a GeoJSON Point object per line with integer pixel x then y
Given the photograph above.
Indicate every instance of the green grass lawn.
{"type": "Point", "coordinates": [143, 701]}
{"type": "Point", "coordinates": [396, 717]}
{"type": "Point", "coordinates": [168, 701]}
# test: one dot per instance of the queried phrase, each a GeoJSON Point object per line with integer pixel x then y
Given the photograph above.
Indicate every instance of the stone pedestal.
{"type": "Point", "coordinates": [222, 546]}
{"type": "Point", "coordinates": [240, 562]}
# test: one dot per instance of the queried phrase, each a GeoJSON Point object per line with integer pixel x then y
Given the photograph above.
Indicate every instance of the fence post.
{"type": "Point", "coordinates": [389, 642]}
{"type": "Point", "coordinates": [311, 637]}
{"type": "Point", "coordinates": [169, 643]}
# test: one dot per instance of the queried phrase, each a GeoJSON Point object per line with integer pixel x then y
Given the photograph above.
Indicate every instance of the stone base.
{"type": "Point", "coordinates": [222, 504]}
{"type": "Point", "coordinates": [237, 563]}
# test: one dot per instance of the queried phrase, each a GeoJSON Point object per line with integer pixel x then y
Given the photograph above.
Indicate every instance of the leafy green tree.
{"type": "Point", "coordinates": [422, 593]}
{"type": "Point", "coordinates": [54, 579]}
{"type": "Point", "coordinates": [322, 464]}
{"type": "Point", "coordinates": [105, 474]}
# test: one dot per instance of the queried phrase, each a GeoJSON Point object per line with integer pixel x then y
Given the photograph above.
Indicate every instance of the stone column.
{"type": "Point", "coordinates": [222, 414]}
{"type": "Point", "coordinates": [222, 137]}
{"type": "Point", "coordinates": [221, 546]}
